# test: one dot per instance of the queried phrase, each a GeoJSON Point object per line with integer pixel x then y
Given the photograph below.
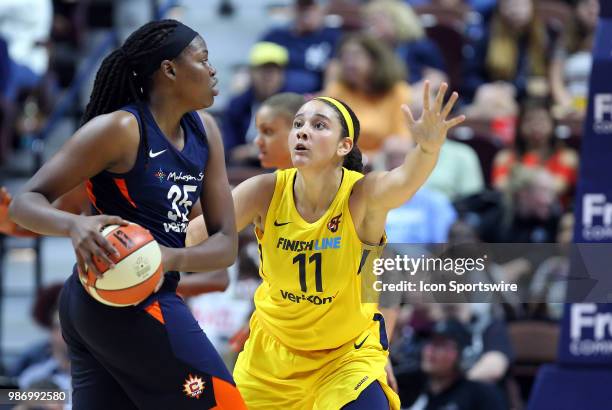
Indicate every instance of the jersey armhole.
{"type": "Point", "coordinates": [276, 196]}
{"type": "Point", "coordinates": [383, 240]}
{"type": "Point", "coordinates": [139, 156]}
{"type": "Point", "coordinates": [199, 123]}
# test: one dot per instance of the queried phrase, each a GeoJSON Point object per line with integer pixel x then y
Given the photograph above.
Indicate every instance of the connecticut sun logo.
{"type": "Point", "coordinates": [193, 387]}
{"type": "Point", "coordinates": [160, 175]}
{"type": "Point", "coordinates": [333, 223]}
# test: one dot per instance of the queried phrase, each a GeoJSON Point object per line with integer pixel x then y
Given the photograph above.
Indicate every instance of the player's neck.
{"type": "Point", "coordinates": [315, 190]}
{"type": "Point", "coordinates": [167, 114]}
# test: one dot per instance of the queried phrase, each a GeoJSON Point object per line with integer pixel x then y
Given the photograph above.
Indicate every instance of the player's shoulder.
{"type": "Point", "coordinates": [207, 119]}
{"type": "Point", "coordinates": [211, 128]}
{"type": "Point", "coordinates": [259, 188]}
{"type": "Point", "coordinates": [115, 127]}
{"type": "Point", "coordinates": [266, 183]}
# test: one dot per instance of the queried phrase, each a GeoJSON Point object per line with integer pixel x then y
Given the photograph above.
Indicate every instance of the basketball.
{"type": "Point", "coordinates": [137, 270]}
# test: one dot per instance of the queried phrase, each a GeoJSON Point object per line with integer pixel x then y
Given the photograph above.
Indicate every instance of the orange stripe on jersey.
{"type": "Point", "coordinates": [155, 310]}
{"type": "Point", "coordinates": [90, 195]}
{"type": "Point", "coordinates": [227, 396]}
{"type": "Point", "coordinates": [120, 182]}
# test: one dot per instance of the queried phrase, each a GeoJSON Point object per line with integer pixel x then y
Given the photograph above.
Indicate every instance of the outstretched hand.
{"type": "Point", "coordinates": [430, 130]}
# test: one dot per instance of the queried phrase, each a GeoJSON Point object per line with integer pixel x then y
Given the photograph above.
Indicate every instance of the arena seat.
{"type": "Point", "coordinates": [534, 344]}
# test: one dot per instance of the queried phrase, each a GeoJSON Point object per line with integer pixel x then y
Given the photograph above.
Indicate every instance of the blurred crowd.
{"type": "Point", "coordinates": [507, 175]}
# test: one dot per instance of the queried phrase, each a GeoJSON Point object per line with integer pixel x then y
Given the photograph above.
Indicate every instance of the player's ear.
{"type": "Point", "coordinates": [167, 67]}
{"type": "Point", "coordinates": [344, 147]}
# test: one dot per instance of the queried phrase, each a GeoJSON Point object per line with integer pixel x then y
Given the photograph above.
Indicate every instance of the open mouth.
{"type": "Point", "coordinates": [300, 147]}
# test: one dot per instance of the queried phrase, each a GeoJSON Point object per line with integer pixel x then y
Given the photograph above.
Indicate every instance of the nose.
{"type": "Point", "coordinates": [302, 135]}
{"type": "Point", "coordinates": [258, 141]}
{"type": "Point", "coordinates": [212, 70]}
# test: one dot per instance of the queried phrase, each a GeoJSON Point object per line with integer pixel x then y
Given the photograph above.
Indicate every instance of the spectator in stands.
{"type": "Point", "coordinates": [571, 65]}
{"type": "Point", "coordinates": [458, 172]}
{"type": "Point", "coordinates": [535, 145]}
{"type": "Point", "coordinates": [273, 121]}
{"type": "Point", "coordinates": [514, 48]}
{"type": "Point", "coordinates": [549, 283]}
{"type": "Point", "coordinates": [43, 311]}
{"type": "Point", "coordinates": [427, 217]}
{"type": "Point", "coordinates": [311, 45]}
{"type": "Point", "coordinates": [371, 81]}
{"type": "Point", "coordinates": [530, 212]}
{"type": "Point", "coordinates": [484, 7]}
{"type": "Point", "coordinates": [267, 61]}
{"type": "Point", "coordinates": [56, 368]}
{"type": "Point", "coordinates": [25, 25]}
{"type": "Point", "coordinates": [47, 360]}
{"type": "Point", "coordinates": [395, 23]}
{"type": "Point", "coordinates": [447, 386]}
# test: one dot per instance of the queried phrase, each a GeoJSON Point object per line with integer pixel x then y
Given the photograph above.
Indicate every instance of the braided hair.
{"type": "Point", "coordinates": [119, 80]}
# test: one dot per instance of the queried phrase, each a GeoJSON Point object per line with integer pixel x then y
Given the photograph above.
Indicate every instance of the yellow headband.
{"type": "Point", "coordinates": [345, 114]}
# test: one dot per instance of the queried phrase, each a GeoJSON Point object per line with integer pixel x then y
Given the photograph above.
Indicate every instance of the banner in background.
{"type": "Point", "coordinates": [586, 334]}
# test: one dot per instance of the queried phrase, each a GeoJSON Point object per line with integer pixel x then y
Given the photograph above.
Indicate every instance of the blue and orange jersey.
{"type": "Point", "coordinates": [162, 186]}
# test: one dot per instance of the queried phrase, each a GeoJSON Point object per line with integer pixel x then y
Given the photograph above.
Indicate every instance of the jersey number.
{"type": "Point", "coordinates": [316, 258]}
{"type": "Point", "coordinates": [180, 198]}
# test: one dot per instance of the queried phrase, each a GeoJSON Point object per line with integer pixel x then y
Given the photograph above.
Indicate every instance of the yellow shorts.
{"type": "Point", "coordinates": [269, 375]}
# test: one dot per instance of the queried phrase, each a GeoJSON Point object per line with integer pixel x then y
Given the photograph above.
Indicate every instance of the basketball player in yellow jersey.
{"type": "Point", "coordinates": [313, 343]}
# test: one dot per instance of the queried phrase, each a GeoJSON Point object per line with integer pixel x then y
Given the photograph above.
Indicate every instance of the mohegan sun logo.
{"type": "Point", "coordinates": [194, 386]}
{"type": "Point", "coordinates": [333, 223]}
{"type": "Point", "coordinates": [160, 175]}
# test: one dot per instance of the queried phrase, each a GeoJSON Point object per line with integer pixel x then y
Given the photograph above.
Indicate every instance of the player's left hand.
{"type": "Point", "coordinates": [430, 130]}
{"type": "Point", "coordinates": [391, 380]}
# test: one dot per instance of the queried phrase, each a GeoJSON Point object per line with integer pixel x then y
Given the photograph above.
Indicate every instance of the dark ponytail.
{"type": "Point", "coordinates": [122, 77]}
{"type": "Point", "coordinates": [352, 160]}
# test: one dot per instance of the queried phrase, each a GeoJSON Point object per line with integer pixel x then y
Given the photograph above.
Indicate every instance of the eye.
{"type": "Point", "coordinates": [297, 124]}
{"type": "Point", "coordinates": [320, 125]}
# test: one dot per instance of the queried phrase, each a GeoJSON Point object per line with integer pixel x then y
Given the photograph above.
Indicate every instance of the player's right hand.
{"type": "Point", "coordinates": [88, 241]}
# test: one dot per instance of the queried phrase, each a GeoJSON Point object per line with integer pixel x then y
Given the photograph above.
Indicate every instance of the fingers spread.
{"type": "Point", "coordinates": [440, 97]}
{"type": "Point", "coordinates": [449, 105]}
{"type": "Point", "coordinates": [454, 121]}
{"type": "Point", "coordinates": [113, 220]}
{"type": "Point", "coordinates": [408, 114]}
{"type": "Point", "coordinates": [106, 245]}
{"type": "Point", "coordinates": [426, 96]}
{"type": "Point", "coordinates": [90, 263]}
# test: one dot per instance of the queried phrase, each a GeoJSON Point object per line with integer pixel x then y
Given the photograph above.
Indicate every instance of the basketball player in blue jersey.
{"type": "Point", "coordinates": [146, 156]}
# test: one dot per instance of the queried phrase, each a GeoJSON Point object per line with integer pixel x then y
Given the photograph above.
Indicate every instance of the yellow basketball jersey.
{"type": "Point", "coordinates": [310, 298]}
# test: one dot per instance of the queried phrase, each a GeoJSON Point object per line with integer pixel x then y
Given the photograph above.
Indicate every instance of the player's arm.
{"type": "Point", "coordinates": [387, 190]}
{"type": "Point", "coordinates": [220, 249]}
{"type": "Point", "coordinates": [251, 200]}
{"type": "Point", "coordinates": [106, 142]}
{"type": "Point", "coordinates": [75, 202]}
{"type": "Point", "coordinates": [201, 282]}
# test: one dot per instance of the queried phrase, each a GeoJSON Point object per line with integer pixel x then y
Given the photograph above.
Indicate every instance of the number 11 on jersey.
{"type": "Point", "coordinates": [301, 260]}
